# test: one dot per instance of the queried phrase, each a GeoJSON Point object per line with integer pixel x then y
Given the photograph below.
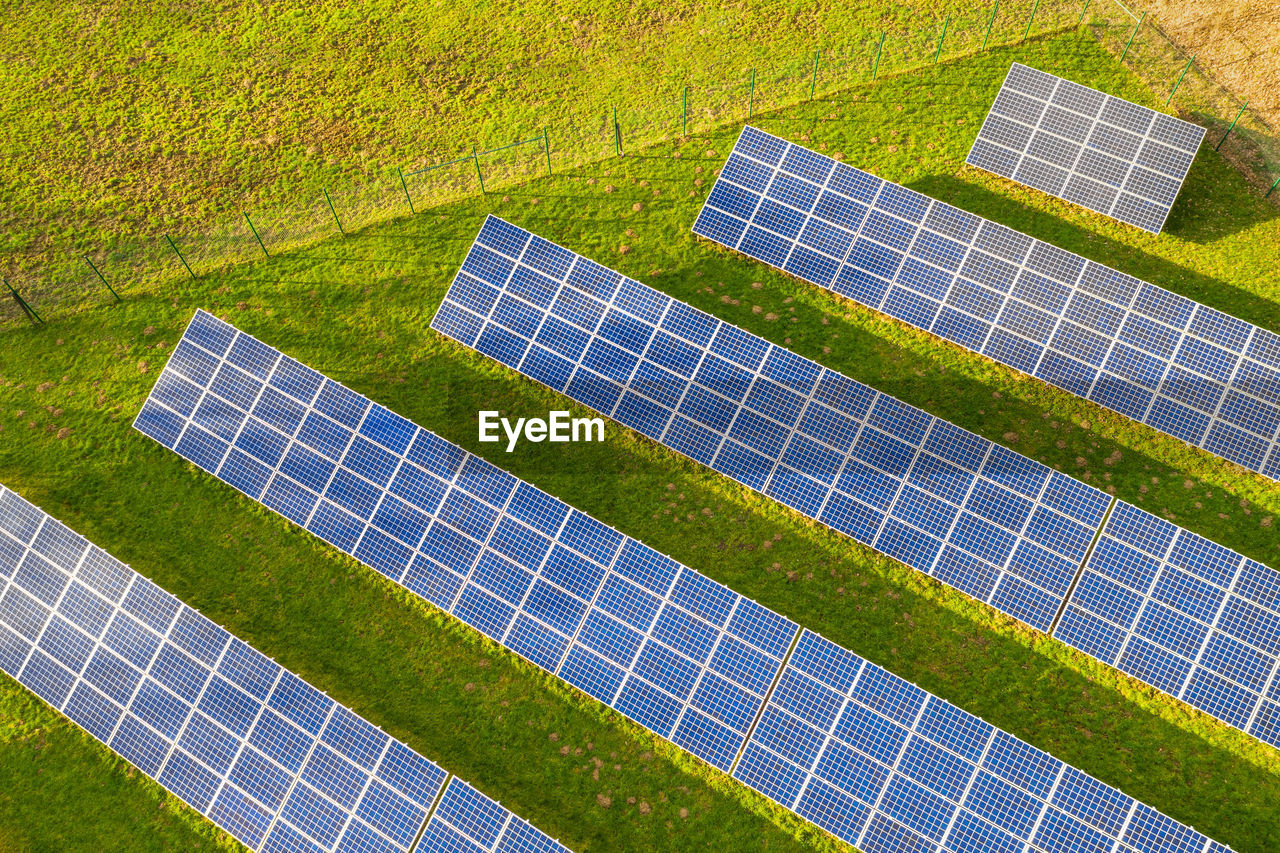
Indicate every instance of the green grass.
{"type": "Point", "coordinates": [358, 309]}
{"type": "Point", "coordinates": [122, 121]}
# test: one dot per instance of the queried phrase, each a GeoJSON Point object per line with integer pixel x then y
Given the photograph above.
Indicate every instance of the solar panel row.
{"type": "Point", "coordinates": [887, 767]}
{"type": "Point", "coordinates": [248, 744]}
{"type": "Point", "coordinates": [666, 646]}
{"type": "Point", "coordinates": [1098, 151]}
{"type": "Point", "coordinates": [989, 522]}
{"type": "Point", "coordinates": [1185, 615]}
{"type": "Point", "coordinates": [1001, 527]}
{"type": "Point", "coordinates": [1188, 370]}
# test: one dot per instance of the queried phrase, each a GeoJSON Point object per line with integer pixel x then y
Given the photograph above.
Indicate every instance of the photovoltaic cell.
{"type": "Point", "coordinates": [996, 525]}
{"type": "Point", "coordinates": [640, 632]}
{"type": "Point", "coordinates": [1181, 367]}
{"type": "Point", "coordinates": [1098, 151]}
{"type": "Point", "coordinates": [1184, 615]}
{"type": "Point", "coordinates": [261, 753]}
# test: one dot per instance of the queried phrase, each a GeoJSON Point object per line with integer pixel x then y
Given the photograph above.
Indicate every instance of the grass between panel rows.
{"type": "Point", "coordinates": [358, 309]}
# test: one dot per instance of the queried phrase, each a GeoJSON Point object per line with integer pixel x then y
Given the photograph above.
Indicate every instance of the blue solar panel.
{"type": "Point", "coordinates": [664, 645]}
{"type": "Point", "coordinates": [467, 821]}
{"type": "Point", "coordinates": [998, 526]}
{"type": "Point", "coordinates": [248, 744]}
{"type": "Point", "coordinates": [1183, 368]}
{"type": "Point", "coordinates": [882, 764]}
{"type": "Point", "coordinates": [1109, 155]}
{"type": "Point", "coordinates": [1184, 615]}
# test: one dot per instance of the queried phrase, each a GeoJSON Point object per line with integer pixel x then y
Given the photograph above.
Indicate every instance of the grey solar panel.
{"type": "Point", "coordinates": [252, 747]}
{"type": "Point", "coordinates": [1183, 368]}
{"type": "Point", "coordinates": [637, 630]}
{"type": "Point", "coordinates": [1098, 151]}
{"type": "Point", "coordinates": [989, 522]}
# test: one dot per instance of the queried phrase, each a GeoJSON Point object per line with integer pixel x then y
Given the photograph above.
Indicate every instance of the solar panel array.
{"type": "Point", "coordinates": [996, 525]}
{"type": "Point", "coordinates": [248, 744]}
{"type": "Point", "coordinates": [992, 523]}
{"type": "Point", "coordinates": [682, 655]}
{"type": "Point", "coordinates": [1087, 147]}
{"type": "Point", "coordinates": [1181, 367]}
{"type": "Point", "coordinates": [1185, 615]}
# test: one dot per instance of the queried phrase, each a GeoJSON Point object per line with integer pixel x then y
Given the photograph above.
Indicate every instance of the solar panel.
{"type": "Point", "coordinates": [883, 765]}
{"type": "Point", "coordinates": [623, 623]}
{"type": "Point", "coordinates": [1181, 367]}
{"type": "Point", "coordinates": [993, 524]}
{"type": "Point", "coordinates": [1098, 151]}
{"type": "Point", "coordinates": [996, 525]}
{"type": "Point", "coordinates": [1184, 615]}
{"type": "Point", "coordinates": [251, 746]}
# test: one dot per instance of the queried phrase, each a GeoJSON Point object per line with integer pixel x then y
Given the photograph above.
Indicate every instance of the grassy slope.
{"type": "Point", "coordinates": [124, 118]}
{"type": "Point", "coordinates": [357, 309]}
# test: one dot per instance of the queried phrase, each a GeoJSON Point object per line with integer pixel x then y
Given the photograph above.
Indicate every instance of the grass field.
{"type": "Point", "coordinates": [357, 309]}
{"type": "Point", "coordinates": [122, 123]}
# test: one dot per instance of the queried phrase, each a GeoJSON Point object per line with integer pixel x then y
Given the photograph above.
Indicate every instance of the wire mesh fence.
{"type": "Point", "coordinates": [58, 280]}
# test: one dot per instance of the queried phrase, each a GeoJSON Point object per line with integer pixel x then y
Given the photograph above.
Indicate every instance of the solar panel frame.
{"type": "Point", "coordinates": [1188, 370]}
{"type": "Point", "coordinates": [1184, 615]}
{"type": "Point", "coordinates": [630, 566]}
{"type": "Point", "coordinates": [887, 474]}
{"type": "Point", "coordinates": [249, 745]}
{"type": "Point", "coordinates": [1109, 155]}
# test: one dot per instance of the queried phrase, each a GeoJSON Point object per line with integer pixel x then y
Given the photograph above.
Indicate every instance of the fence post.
{"type": "Point", "coordinates": [1131, 35]}
{"type": "Point", "coordinates": [257, 236]}
{"type": "Point", "coordinates": [179, 254]}
{"type": "Point", "coordinates": [990, 24]}
{"type": "Point", "coordinates": [475, 158]}
{"type": "Point", "coordinates": [617, 134]}
{"type": "Point", "coordinates": [546, 146]}
{"type": "Point", "coordinates": [751, 98]}
{"type": "Point", "coordinates": [336, 220]}
{"type": "Point", "coordinates": [1187, 68]}
{"type": "Point", "coordinates": [813, 84]}
{"type": "Point", "coordinates": [94, 267]}
{"type": "Point", "coordinates": [1031, 20]}
{"type": "Point", "coordinates": [1273, 188]}
{"type": "Point", "coordinates": [876, 68]}
{"type": "Point", "coordinates": [943, 38]}
{"type": "Point", "coordinates": [1232, 127]}
{"type": "Point", "coordinates": [22, 303]}
{"type": "Point", "coordinates": [1082, 11]}
{"type": "Point", "coordinates": [405, 185]}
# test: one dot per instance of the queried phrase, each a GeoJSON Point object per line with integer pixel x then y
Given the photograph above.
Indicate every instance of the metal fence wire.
{"type": "Point", "coordinates": [48, 280]}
